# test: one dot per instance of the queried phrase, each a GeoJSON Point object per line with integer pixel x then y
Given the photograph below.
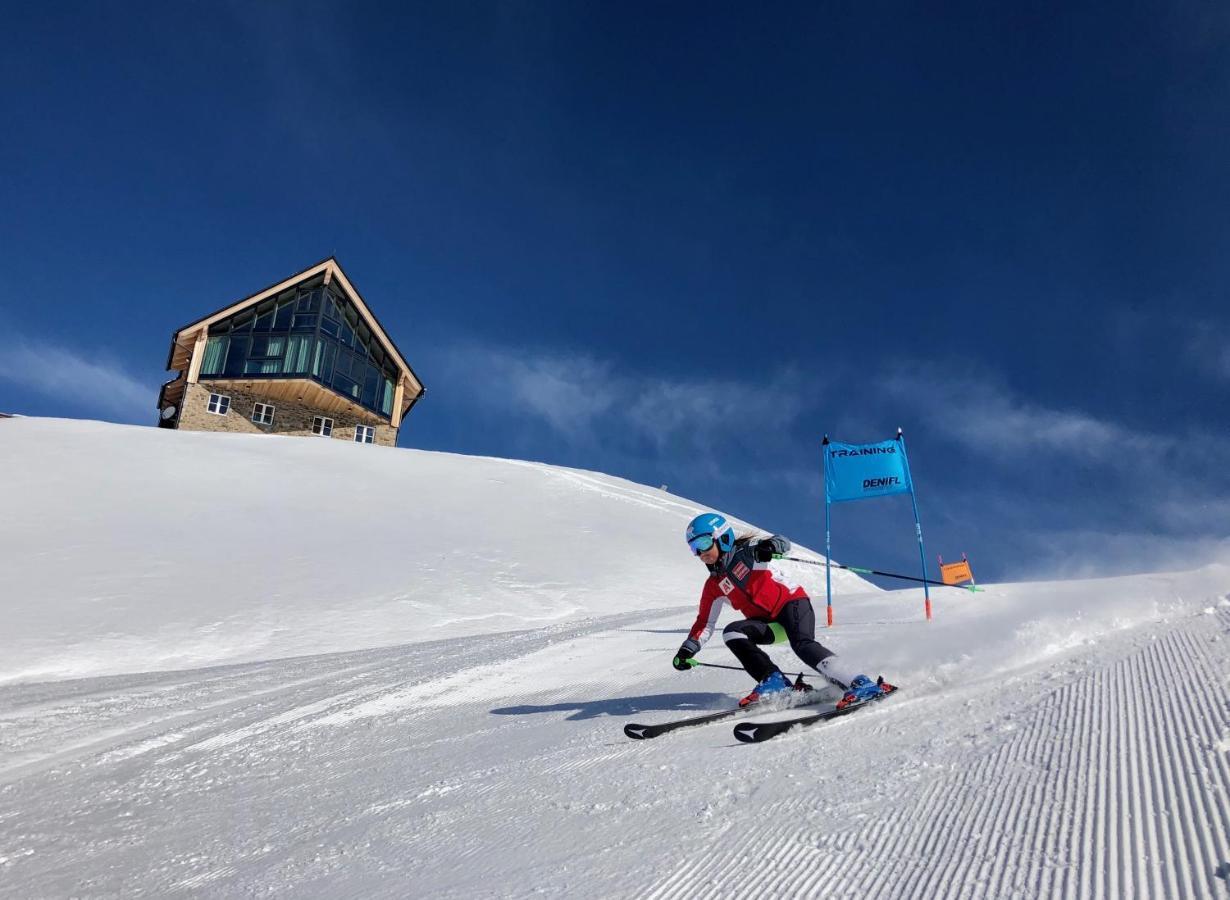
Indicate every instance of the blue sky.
{"type": "Point", "coordinates": [677, 242]}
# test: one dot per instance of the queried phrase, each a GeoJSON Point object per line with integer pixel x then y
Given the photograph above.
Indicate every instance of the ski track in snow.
{"type": "Point", "coordinates": [1099, 773]}
{"type": "Point", "coordinates": [1104, 789]}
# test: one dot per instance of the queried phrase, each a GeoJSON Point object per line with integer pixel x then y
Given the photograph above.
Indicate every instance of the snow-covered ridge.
{"type": "Point", "coordinates": [142, 549]}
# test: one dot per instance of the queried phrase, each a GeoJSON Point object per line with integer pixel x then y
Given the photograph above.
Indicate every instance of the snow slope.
{"type": "Point", "coordinates": [132, 549]}
{"type": "Point", "coordinates": [1066, 739]}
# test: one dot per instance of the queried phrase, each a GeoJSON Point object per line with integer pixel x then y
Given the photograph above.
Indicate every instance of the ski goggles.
{"type": "Point", "coordinates": [701, 543]}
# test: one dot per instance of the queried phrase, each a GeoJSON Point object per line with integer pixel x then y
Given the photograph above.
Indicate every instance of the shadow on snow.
{"type": "Point", "coordinates": [625, 706]}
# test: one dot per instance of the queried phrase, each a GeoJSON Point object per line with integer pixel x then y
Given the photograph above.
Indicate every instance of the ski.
{"type": "Point", "coordinates": [644, 732]}
{"type": "Point", "coordinates": [755, 732]}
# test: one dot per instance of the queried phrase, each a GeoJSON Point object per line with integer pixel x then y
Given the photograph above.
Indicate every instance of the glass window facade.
{"type": "Point", "coordinates": [219, 404]}
{"type": "Point", "coordinates": [308, 332]}
{"type": "Point", "coordinates": [364, 434]}
{"type": "Point", "coordinates": [322, 426]}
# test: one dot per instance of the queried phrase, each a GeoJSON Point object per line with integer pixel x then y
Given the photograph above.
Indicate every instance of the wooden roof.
{"type": "Point", "coordinates": [329, 271]}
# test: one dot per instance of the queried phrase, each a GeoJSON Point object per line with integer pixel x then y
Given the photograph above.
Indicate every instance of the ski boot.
{"type": "Point", "coordinates": [774, 684]}
{"type": "Point", "coordinates": [862, 689]}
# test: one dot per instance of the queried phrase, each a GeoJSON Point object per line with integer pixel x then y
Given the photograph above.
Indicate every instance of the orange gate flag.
{"type": "Point", "coordinates": [956, 573]}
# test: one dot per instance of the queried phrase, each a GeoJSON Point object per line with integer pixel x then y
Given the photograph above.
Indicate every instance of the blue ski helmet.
{"type": "Point", "coordinates": [707, 528]}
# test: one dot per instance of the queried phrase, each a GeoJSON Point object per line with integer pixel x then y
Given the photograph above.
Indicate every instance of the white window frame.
{"type": "Point", "coordinates": [219, 404]}
{"type": "Point", "coordinates": [260, 411]}
{"type": "Point", "coordinates": [319, 426]}
{"type": "Point", "coordinates": [368, 434]}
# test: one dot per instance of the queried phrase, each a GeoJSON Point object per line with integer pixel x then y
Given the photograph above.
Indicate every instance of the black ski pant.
{"type": "Point", "coordinates": [795, 623]}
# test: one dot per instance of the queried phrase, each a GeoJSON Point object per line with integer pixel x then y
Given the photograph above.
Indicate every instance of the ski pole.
{"type": "Point", "coordinates": [812, 562]}
{"type": "Point", "coordinates": [696, 662]}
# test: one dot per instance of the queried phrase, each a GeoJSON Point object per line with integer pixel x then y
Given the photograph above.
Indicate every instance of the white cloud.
{"type": "Point", "coordinates": [567, 394]}
{"type": "Point", "coordinates": [991, 421]}
{"type": "Point", "coordinates": [577, 395]}
{"type": "Point", "coordinates": [1085, 496]}
{"type": "Point", "coordinates": [1095, 553]}
{"type": "Point", "coordinates": [1105, 499]}
{"type": "Point", "coordinates": [67, 375]}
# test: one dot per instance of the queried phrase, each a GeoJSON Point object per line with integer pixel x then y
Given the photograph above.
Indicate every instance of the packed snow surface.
{"type": "Point", "coordinates": [137, 549]}
{"type": "Point", "coordinates": [239, 665]}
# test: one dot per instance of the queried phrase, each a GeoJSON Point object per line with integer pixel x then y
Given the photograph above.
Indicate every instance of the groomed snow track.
{"type": "Point", "coordinates": [1103, 773]}
{"type": "Point", "coordinates": [1114, 782]}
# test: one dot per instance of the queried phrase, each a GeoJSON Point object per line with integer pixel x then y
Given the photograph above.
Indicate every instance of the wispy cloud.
{"type": "Point", "coordinates": [1095, 552]}
{"type": "Point", "coordinates": [994, 421]}
{"type": "Point", "coordinates": [1041, 490]}
{"type": "Point", "coordinates": [582, 398]}
{"type": "Point", "coordinates": [568, 394]}
{"type": "Point", "coordinates": [1076, 493]}
{"type": "Point", "coordinates": [84, 383]}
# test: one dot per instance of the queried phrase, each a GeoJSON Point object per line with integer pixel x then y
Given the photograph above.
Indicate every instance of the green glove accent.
{"type": "Point", "coordinates": [779, 632]}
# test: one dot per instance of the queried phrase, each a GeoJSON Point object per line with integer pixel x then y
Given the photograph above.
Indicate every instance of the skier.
{"type": "Point", "coordinates": [776, 611]}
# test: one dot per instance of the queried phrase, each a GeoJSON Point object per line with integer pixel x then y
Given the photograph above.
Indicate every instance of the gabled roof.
{"type": "Point", "coordinates": [331, 272]}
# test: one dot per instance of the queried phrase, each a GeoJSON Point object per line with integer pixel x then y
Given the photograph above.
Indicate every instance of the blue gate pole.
{"type": "Point", "coordinates": [828, 535]}
{"type": "Point", "coordinates": [917, 524]}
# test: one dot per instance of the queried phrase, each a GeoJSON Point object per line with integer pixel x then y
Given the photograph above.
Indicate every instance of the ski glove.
{"type": "Point", "coordinates": [774, 546]}
{"type": "Point", "coordinates": [687, 650]}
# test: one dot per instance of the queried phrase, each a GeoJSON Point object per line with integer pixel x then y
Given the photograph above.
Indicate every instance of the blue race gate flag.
{"type": "Point", "coordinates": [859, 471]}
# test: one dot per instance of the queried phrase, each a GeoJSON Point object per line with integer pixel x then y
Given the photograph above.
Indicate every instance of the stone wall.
{"type": "Point", "coordinates": [288, 417]}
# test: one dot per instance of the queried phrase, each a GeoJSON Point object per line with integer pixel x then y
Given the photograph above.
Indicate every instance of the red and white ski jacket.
{"type": "Point", "coordinates": [753, 588]}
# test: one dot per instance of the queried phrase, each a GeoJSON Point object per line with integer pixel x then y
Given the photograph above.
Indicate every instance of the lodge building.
{"type": "Point", "coordinates": [302, 357]}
